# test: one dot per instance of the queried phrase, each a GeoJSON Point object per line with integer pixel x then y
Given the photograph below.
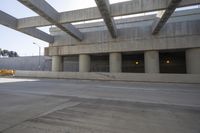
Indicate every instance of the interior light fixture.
{"type": "Point", "coordinates": [167, 61]}
{"type": "Point", "coordinates": [137, 62]}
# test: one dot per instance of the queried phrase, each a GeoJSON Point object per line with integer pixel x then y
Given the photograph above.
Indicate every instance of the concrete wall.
{"type": "Point", "coordinates": [31, 63]}
{"type": "Point", "coordinates": [26, 63]}
{"type": "Point", "coordinates": [178, 35]}
{"type": "Point", "coordinates": [71, 64]}
{"type": "Point", "coordinates": [100, 63]}
{"type": "Point", "coordinates": [173, 78]}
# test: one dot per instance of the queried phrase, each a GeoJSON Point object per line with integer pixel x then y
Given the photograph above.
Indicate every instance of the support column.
{"type": "Point", "coordinates": [151, 59]}
{"type": "Point", "coordinates": [115, 62]}
{"type": "Point", "coordinates": [84, 63]}
{"type": "Point", "coordinates": [193, 61]}
{"type": "Point", "coordinates": [57, 63]}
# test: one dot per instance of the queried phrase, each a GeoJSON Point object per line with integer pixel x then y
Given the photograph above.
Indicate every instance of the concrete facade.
{"type": "Point", "coordinates": [193, 62]}
{"type": "Point", "coordinates": [134, 36]}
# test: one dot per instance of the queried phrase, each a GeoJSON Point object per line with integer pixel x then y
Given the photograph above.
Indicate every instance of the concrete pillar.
{"type": "Point", "coordinates": [115, 62]}
{"type": "Point", "coordinates": [151, 59]}
{"type": "Point", "coordinates": [193, 61]}
{"type": "Point", "coordinates": [57, 63]}
{"type": "Point", "coordinates": [84, 63]}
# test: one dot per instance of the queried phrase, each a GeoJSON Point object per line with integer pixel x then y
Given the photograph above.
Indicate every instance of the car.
{"type": "Point", "coordinates": [6, 72]}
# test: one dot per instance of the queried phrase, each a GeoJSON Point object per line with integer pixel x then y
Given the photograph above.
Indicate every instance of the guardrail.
{"type": "Point", "coordinates": [5, 72]}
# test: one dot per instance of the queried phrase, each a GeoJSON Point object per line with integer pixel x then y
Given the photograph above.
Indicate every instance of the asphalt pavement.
{"type": "Point", "coordinates": [85, 106]}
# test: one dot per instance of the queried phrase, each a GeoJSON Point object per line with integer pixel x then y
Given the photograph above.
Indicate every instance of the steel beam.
{"type": "Point", "coordinates": [118, 9]}
{"type": "Point", "coordinates": [104, 8]}
{"type": "Point", "coordinates": [11, 22]}
{"type": "Point", "coordinates": [46, 11]}
{"type": "Point", "coordinates": [163, 16]}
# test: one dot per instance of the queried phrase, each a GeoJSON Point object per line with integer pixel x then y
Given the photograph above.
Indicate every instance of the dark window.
{"type": "Point", "coordinates": [133, 63]}
{"type": "Point", "coordinates": [172, 62]}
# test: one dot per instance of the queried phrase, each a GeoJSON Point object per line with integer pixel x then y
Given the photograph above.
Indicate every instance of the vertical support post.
{"type": "Point", "coordinates": [84, 63]}
{"type": "Point", "coordinates": [57, 63]}
{"type": "Point", "coordinates": [115, 62]}
{"type": "Point", "coordinates": [193, 61]}
{"type": "Point", "coordinates": [151, 61]}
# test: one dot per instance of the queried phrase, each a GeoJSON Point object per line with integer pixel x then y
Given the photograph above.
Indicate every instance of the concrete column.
{"type": "Point", "coordinates": [115, 61]}
{"type": "Point", "coordinates": [193, 61]}
{"type": "Point", "coordinates": [84, 63]}
{"type": "Point", "coordinates": [57, 63]}
{"type": "Point", "coordinates": [151, 59]}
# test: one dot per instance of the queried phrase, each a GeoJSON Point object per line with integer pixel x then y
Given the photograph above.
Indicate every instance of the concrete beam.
{"type": "Point", "coordinates": [50, 14]}
{"type": "Point", "coordinates": [178, 16]}
{"type": "Point", "coordinates": [11, 22]}
{"type": "Point", "coordinates": [38, 34]}
{"type": "Point", "coordinates": [163, 16]}
{"type": "Point", "coordinates": [104, 8]}
{"type": "Point", "coordinates": [118, 9]}
{"type": "Point", "coordinates": [8, 20]}
{"type": "Point", "coordinates": [183, 42]}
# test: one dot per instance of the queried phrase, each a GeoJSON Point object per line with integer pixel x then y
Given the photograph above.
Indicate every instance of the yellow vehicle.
{"type": "Point", "coordinates": [5, 72]}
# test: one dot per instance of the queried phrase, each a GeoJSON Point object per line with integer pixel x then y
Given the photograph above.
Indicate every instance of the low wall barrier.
{"type": "Point", "coordinates": [133, 77]}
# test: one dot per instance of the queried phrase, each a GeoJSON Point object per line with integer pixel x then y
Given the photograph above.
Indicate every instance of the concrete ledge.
{"type": "Point", "coordinates": [134, 77]}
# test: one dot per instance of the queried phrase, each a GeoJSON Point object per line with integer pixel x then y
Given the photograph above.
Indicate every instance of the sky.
{"type": "Point", "coordinates": [23, 44]}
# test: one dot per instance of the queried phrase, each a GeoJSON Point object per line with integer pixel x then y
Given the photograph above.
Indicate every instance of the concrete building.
{"type": "Point", "coordinates": [166, 42]}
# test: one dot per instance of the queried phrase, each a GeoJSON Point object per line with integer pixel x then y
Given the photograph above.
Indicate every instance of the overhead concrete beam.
{"type": "Point", "coordinates": [50, 14]}
{"type": "Point", "coordinates": [176, 43]}
{"type": "Point", "coordinates": [11, 22]}
{"type": "Point", "coordinates": [104, 8]}
{"type": "Point", "coordinates": [7, 20]}
{"type": "Point", "coordinates": [118, 9]}
{"type": "Point", "coordinates": [38, 34]}
{"type": "Point", "coordinates": [192, 14]}
{"type": "Point", "coordinates": [163, 16]}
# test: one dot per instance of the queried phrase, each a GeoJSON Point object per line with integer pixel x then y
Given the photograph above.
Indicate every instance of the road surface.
{"type": "Point", "coordinates": [84, 106]}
